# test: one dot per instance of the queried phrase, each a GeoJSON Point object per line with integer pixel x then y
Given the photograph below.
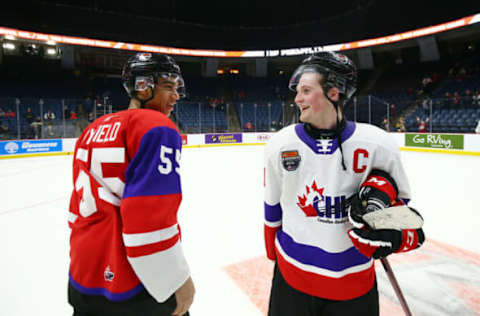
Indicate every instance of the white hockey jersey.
{"type": "Point", "coordinates": [306, 222]}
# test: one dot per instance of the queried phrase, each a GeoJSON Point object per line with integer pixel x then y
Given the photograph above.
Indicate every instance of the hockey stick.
{"type": "Point", "coordinates": [396, 287]}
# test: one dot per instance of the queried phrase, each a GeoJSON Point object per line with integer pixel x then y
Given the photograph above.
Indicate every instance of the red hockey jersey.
{"type": "Point", "coordinates": [123, 209]}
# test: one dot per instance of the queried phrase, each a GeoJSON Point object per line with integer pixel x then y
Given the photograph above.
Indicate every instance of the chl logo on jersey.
{"type": "Point", "coordinates": [327, 209]}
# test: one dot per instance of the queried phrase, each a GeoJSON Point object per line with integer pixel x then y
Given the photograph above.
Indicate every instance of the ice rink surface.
{"type": "Point", "coordinates": [222, 227]}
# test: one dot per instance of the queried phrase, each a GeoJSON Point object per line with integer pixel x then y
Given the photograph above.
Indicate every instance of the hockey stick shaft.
{"type": "Point", "coordinates": [396, 287]}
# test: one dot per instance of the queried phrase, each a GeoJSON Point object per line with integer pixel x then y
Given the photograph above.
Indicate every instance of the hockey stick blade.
{"type": "Point", "coordinates": [395, 217]}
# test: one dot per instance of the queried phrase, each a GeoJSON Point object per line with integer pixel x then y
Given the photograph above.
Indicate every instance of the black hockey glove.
{"type": "Point", "coordinates": [380, 243]}
{"type": "Point", "coordinates": [377, 192]}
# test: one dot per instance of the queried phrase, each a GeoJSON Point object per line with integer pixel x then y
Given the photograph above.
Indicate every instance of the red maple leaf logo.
{"type": "Point", "coordinates": [305, 202]}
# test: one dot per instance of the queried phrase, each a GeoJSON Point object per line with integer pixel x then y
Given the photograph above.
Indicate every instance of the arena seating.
{"type": "Point", "coordinates": [260, 115]}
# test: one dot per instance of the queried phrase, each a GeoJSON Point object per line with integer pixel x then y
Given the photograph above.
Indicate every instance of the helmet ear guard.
{"type": "Point", "coordinates": [142, 83]}
{"type": "Point", "coordinates": [341, 83]}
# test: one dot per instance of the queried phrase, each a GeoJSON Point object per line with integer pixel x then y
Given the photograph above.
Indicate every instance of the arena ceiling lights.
{"type": "Point", "coordinates": [7, 32]}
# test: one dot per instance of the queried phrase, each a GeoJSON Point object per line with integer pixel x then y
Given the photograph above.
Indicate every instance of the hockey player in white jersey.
{"type": "Point", "coordinates": [313, 170]}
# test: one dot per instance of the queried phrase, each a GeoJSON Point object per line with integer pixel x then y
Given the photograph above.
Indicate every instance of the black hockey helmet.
{"type": "Point", "coordinates": [337, 70]}
{"type": "Point", "coordinates": [142, 71]}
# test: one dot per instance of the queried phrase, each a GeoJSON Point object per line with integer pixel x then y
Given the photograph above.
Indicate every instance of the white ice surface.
{"type": "Point", "coordinates": [222, 223]}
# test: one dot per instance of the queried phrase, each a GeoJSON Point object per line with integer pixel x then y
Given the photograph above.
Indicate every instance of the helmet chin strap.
{"type": "Point", "coordinates": [338, 131]}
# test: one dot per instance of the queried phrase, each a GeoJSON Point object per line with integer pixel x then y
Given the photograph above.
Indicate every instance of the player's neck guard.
{"type": "Point", "coordinates": [320, 133]}
{"type": "Point", "coordinates": [330, 133]}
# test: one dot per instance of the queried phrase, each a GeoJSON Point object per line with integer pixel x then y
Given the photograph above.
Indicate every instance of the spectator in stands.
{"type": "Point", "coordinates": [456, 101]}
{"type": "Point", "coordinates": [280, 125]}
{"type": "Point", "coordinates": [29, 118]}
{"type": "Point", "coordinates": [462, 72]}
{"type": "Point", "coordinates": [10, 114]}
{"type": "Point", "coordinates": [4, 131]}
{"type": "Point", "coordinates": [73, 116]}
{"type": "Point", "coordinates": [48, 118]}
{"type": "Point", "coordinates": [213, 102]}
{"type": "Point", "coordinates": [400, 126]}
{"type": "Point", "coordinates": [28, 115]}
{"type": "Point", "coordinates": [82, 119]}
{"type": "Point", "coordinates": [273, 126]}
{"type": "Point", "coordinates": [37, 127]}
{"type": "Point", "coordinates": [66, 112]}
{"type": "Point", "coordinates": [2, 113]}
{"type": "Point", "coordinates": [451, 71]}
{"type": "Point", "coordinates": [422, 125]}
{"type": "Point", "coordinates": [477, 129]}
{"type": "Point", "coordinates": [241, 95]}
{"type": "Point", "coordinates": [426, 83]}
{"type": "Point", "coordinates": [88, 104]}
{"type": "Point", "coordinates": [447, 101]}
{"type": "Point", "coordinates": [386, 124]}
{"type": "Point", "coordinates": [220, 104]}
{"type": "Point", "coordinates": [249, 126]}
{"type": "Point", "coordinates": [467, 99]}
{"type": "Point", "coordinates": [393, 112]}
{"type": "Point", "coordinates": [476, 98]}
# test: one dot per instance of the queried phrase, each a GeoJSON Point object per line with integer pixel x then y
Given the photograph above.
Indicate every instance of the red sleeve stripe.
{"type": "Point", "coordinates": [141, 239]}
{"type": "Point", "coordinates": [146, 250]}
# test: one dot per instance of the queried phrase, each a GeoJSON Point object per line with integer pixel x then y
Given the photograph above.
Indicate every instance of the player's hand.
{"type": "Point", "coordinates": [356, 208]}
{"type": "Point", "coordinates": [184, 296]}
{"type": "Point", "coordinates": [368, 200]}
{"type": "Point", "coordinates": [382, 242]}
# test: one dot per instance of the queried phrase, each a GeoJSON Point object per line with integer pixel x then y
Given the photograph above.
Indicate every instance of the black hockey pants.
{"type": "Point", "coordinates": [286, 301]}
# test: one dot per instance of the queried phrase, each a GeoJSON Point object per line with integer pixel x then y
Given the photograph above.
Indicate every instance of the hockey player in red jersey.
{"type": "Point", "coordinates": [125, 244]}
{"type": "Point", "coordinates": [324, 265]}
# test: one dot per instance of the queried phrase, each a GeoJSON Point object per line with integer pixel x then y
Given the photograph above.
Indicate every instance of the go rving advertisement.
{"type": "Point", "coordinates": [439, 141]}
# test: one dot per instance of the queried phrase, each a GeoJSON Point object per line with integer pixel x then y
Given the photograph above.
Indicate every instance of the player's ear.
{"type": "Point", "coordinates": [334, 94]}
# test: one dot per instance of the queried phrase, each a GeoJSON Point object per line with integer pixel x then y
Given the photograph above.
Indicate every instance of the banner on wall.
{"type": "Point", "coordinates": [227, 138]}
{"type": "Point", "coordinates": [263, 138]}
{"type": "Point", "coordinates": [30, 146]}
{"type": "Point", "coordinates": [438, 141]}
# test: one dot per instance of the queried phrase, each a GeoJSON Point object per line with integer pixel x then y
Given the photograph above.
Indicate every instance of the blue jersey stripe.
{"type": "Point", "coordinates": [116, 297]}
{"type": "Point", "coordinates": [143, 177]}
{"type": "Point", "coordinates": [273, 213]}
{"type": "Point", "coordinates": [318, 257]}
